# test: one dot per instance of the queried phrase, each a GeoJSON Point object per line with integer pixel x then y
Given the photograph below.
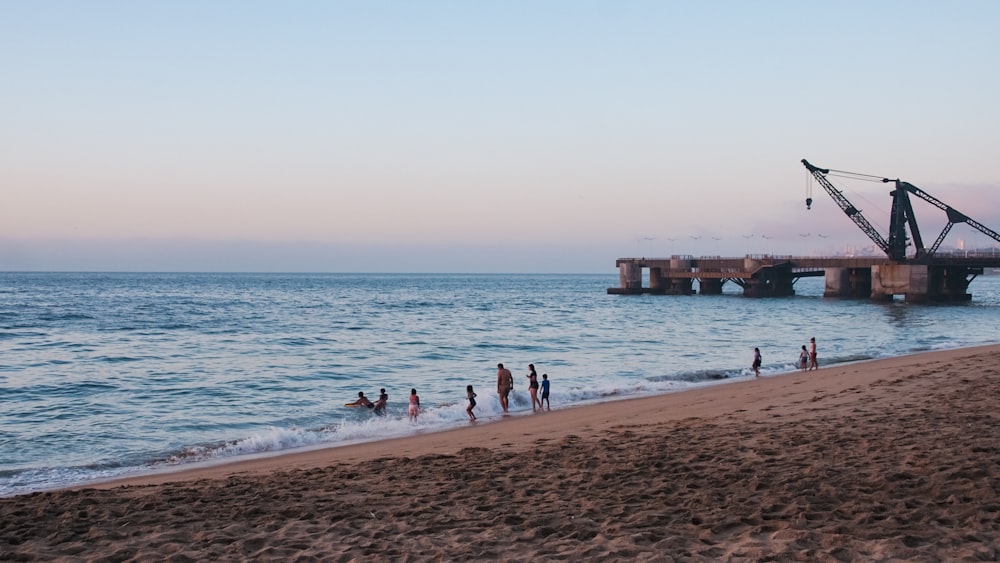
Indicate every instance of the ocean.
{"type": "Point", "coordinates": [116, 374]}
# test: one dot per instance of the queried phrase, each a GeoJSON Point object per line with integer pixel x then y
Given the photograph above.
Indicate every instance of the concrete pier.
{"type": "Point", "coordinates": [940, 279]}
{"type": "Point", "coordinates": [848, 282]}
{"type": "Point", "coordinates": [919, 283]}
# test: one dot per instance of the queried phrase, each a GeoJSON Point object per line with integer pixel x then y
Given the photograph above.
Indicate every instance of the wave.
{"type": "Point", "coordinates": [354, 426]}
{"type": "Point", "coordinates": [214, 367]}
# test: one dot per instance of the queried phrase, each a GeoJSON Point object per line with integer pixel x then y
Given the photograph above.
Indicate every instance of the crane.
{"type": "Point", "coordinates": [901, 217]}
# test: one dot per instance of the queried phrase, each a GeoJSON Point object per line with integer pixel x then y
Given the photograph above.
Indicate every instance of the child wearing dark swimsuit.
{"type": "Point", "coordinates": [545, 391]}
{"type": "Point", "coordinates": [472, 402]}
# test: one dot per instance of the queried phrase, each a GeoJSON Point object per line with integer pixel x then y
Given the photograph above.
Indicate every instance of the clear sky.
{"type": "Point", "coordinates": [458, 136]}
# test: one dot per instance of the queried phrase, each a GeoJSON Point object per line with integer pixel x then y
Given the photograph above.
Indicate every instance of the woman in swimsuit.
{"type": "Point", "coordinates": [533, 387]}
{"type": "Point", "coordinates": [414, 405]}
{"type": "Point", "coordinates": [472, 401]}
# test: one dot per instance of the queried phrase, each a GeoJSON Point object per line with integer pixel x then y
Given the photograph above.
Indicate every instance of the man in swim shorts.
{"type": "Point", "coordinates": [362, 401]}
{"type": "Point", "coordinates": [505, 382]}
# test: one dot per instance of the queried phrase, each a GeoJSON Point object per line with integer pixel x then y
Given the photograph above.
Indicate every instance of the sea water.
{"type": "Point", "coordinates": [107, 375]}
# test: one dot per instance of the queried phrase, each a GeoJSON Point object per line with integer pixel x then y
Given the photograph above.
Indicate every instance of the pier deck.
{"type": "Point", "coordinates": [943, 278]}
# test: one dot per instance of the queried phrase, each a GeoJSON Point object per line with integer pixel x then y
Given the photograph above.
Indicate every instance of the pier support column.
{"type": "Point", "coordinates": [908, 280]}
{"type": "Point", "coordinates": [848, 282]}
{"type": "Point", "coordinates": [951, 283]}
{"type": "Point", "coordinates": [679, 286]}
{"type": "Point", "coordinates": [629, 278]}
{"type": "Point", "coordinates": [661, 285]}
{"type": "Point", "coordinates": [772, 281]}
{"type": "Point", "coordinates": [656, 281]}
{"type": "Point", "coordinates": [710, 286]}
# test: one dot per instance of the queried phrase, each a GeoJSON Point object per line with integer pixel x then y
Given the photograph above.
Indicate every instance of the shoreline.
{"type": "Point", "coordinates": [889, 460]}
{"type": "Point", "coordinates": [453, 439]}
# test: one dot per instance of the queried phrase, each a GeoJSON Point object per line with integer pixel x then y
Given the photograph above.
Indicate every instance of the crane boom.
{"type": "Point", "coordinates": [853, 212]}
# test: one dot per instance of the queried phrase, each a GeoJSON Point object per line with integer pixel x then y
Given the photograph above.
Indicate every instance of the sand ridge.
{"type": "Point", "coordinates": [893, 460]}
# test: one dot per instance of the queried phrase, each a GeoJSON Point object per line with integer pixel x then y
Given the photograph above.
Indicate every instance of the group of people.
{"type": "Point", "coordinates": [378, 407]}
{"type": "Point", "coordinates": [807, 358]}
{"type": "Point", "coordinates": [505, 384]}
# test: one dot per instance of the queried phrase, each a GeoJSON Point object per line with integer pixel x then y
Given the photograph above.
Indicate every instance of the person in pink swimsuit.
{"type": "Point", "coordinates": [414, 405]}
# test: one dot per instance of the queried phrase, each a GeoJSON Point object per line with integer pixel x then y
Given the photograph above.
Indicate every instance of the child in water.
{"type": "Point", "coordinates": [472, 402]}
{"type": "Point", "coordinates": [545, 392]}
{"type": "Point", "coordinates": [414, 408]}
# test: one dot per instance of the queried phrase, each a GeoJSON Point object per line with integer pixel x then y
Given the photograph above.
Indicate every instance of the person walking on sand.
{"type": "Point", "coordinates": [813, 363]}
{"type": "Point", "coordinates": [471, 395]}
{"type": "Point", "coordinates": [414, 408]}
{"type": "Point", "coordinates": [803, 358]}
{"type": "Point", "coordinates": [545, 392]}
{"type": "Point", "coordinates": [533, 387]}
{"type": "Point", "coordinates": [505, 382]}
{"type": "Point", "coordinates": [756, 362]}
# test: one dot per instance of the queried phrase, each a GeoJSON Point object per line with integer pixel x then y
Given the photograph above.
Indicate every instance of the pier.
{"type": "Point", "coordinates": [941, 278]}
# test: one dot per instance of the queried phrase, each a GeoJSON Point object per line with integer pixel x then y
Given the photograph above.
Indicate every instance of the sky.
{"type": "Point", "coordinates": [544, 136]}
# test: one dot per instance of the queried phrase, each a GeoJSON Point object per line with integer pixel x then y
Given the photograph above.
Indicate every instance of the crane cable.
{"type": "Point", "coordinates": [855, 176]}
{"type": "Point", "coordinates": [858, 195]}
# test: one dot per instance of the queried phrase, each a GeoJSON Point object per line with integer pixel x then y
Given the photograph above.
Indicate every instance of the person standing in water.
{"type": "Point", "coordinates": [756, 362]}
{"type": "Point", "coordinates": [533, 387]}
{"type": "Point", "coordinates": [414, 408]}
{"type": "Point", "coordinates": [505, 382]}
{"type": "Point", "coordinates": [471, 395]}
{"type": "Point", "coordinates": [813, 363]}
{"type": "Point", "coordinates": [545, 392]}
{"type": "Point", "coordinates": [383, 399]}
{"type": "Point", "coordinates": [803, 358]}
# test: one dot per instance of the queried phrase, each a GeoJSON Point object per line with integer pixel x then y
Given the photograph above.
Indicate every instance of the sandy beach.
{"type": "Point", "coordinates": [890, 460]}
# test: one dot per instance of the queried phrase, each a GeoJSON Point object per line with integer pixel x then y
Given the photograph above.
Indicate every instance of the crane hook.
{"type": "Point", "coordinates": [809, 202]}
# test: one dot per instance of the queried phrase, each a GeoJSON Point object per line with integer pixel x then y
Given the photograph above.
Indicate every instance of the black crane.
{"type": "Point", "coordinates": [901, 217]}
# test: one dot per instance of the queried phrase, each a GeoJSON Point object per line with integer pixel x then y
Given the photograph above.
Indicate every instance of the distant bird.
{"type": "Point", "coordinates": [766, 237]}
{"type": "Point", "coordinates": [747, 236]}
{"type": "Point", "coordinates": [804, 235]}
{"type": "Point", "coordinates": [695, 238]}
{"type": "Point", "coordinates": [821, 236]}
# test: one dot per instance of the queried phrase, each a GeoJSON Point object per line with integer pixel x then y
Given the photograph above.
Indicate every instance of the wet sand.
{"type": "Point", "coordinates": [891, 460]}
